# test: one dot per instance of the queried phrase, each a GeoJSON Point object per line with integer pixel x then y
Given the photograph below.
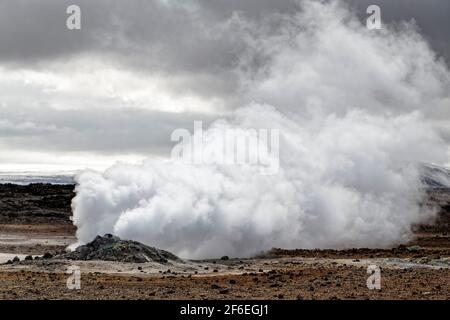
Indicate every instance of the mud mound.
{"type": "Point", "coordinates": [112, 248]}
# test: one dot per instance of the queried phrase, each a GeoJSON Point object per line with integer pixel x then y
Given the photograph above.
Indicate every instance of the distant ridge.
{"type": "Point", "coordinates": [432, 176]}
{"type": "Point", "coordinates": [435, 177]}
{"type": "Point", "coordinates": [24, 178]}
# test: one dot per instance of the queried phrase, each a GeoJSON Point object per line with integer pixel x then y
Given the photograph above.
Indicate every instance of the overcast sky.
{"type": "Point", "coordinates": [137, 70]}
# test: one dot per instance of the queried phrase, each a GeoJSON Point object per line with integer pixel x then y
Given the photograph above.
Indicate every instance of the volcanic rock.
{"type": "Point", "coordinates": [47, 255]}
{"type": "Point", "coordinates": [112, 248]}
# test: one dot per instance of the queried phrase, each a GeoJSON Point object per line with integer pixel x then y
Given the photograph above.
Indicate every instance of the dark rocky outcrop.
{"type": "Point", "coordinates": [36, 203]}
{"type": "Point", "coordinates": [112, 248]}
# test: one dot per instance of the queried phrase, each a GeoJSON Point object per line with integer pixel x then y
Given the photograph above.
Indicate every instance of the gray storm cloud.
{"type": "Point", "coordinates": [356, 111]}
{"type": "Point", "coordinates": [139, 69]}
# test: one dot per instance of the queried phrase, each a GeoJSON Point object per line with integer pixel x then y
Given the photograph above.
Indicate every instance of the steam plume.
{"type": "Point", "coordinates": [355, 109]}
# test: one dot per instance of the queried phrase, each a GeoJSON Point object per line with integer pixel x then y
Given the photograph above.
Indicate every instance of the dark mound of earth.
{"type": "Point", "coordinates": [112, 248]}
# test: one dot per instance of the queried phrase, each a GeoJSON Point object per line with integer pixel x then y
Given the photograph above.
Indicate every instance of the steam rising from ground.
{"type": "Point", "coordinates": [356, 109]}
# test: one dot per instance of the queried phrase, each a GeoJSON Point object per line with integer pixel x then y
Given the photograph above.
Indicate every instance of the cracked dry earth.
{"type": "Point", "coordinates": [418, 270]}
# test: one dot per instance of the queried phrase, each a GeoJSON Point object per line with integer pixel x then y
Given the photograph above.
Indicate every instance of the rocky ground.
{"type": "Point", "coordinates": [36, 204]}
{"type": "Point", "coordinates": [35, 222]}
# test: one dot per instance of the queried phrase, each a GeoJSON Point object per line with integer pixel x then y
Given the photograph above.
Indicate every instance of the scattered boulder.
{"type": "Point", "coordinates": [47, 255]}
{"type": "Point", "coordinates": [414, 248]}
{"type": "Point", "coordinates": [16, 259]}
{"type": "Point", "coordinates": [112, 248]}
{"type": "Point", "coordinates": [28, 258]}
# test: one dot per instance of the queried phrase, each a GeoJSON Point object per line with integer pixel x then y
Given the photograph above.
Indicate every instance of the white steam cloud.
{"type": "Point", "coordinates": [355, 109]}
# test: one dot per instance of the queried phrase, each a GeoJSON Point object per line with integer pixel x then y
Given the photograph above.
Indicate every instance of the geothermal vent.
{"type": "Point", "coordinates": [112, 248]}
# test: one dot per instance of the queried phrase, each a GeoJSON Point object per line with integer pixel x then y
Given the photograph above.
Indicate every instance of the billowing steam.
{"type": "Point", "coordinates": [355, 109]}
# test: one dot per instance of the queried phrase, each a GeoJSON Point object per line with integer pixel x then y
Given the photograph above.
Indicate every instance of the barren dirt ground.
{"type": "Point", "coordinates": [418, 270]}
{"type": "Point", "coordinates": [407, 272]}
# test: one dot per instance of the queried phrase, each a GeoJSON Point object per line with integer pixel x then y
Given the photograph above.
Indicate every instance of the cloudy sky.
{"type": "Point", "coordinates": [137, 70]}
